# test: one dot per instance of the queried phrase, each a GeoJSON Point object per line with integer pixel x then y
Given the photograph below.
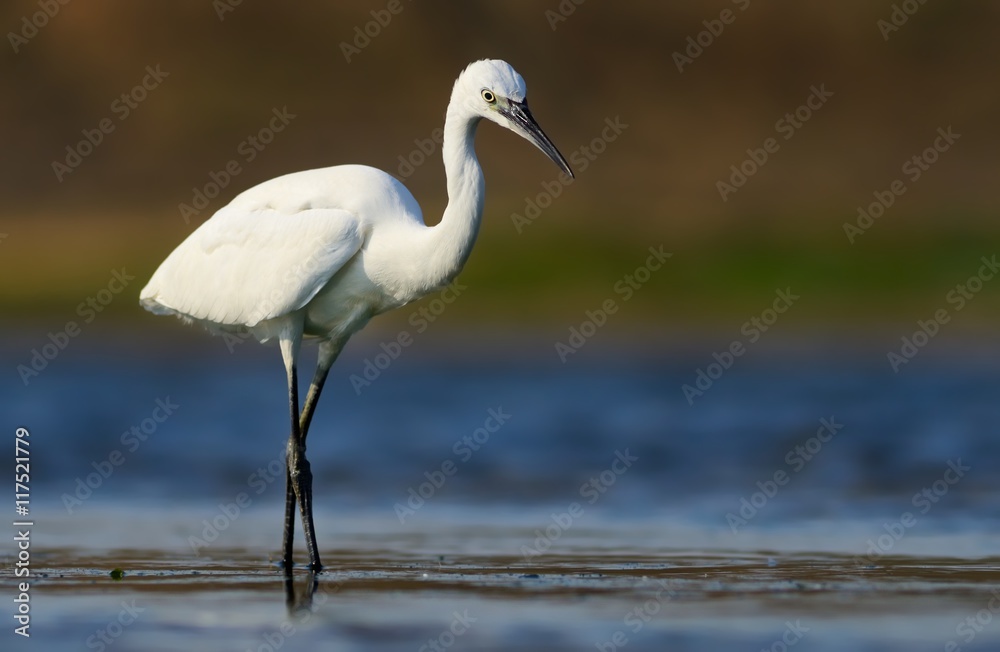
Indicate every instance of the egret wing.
{"type": "Point", "coordinates": [243, 267]}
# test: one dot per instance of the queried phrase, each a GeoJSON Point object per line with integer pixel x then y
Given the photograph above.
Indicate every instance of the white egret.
{"type": "Point", "coordinates": [316, 254]}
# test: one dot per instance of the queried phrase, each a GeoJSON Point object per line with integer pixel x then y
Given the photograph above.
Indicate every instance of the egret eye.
{"type": "Point", "coordinates": [489, 96]}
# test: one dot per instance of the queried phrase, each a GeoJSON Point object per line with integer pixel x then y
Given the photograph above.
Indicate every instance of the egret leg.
{"type": "Point", "coordinates": [290, 340]}
{"type": "Point", "coordinates": [301, 477]}
{"type": "Point", "coordinates": [288, 535]}
{"type": "Point", "coordinates": [328, 352]}
{"type": "Point", "coordinates": [298, 477]}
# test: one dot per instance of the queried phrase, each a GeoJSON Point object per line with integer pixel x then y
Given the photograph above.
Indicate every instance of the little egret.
{"type": "Point", "coordinates": [316, 254]}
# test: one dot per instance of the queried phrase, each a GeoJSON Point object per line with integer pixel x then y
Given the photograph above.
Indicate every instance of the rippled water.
{"type": "Point", "coordinates": [810, 494]}
{"type": "Point", "coordinates": [605, 583]}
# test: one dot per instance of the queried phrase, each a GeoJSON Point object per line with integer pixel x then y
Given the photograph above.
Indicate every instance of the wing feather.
{"type": "Point", "coordinates": [242, 267]}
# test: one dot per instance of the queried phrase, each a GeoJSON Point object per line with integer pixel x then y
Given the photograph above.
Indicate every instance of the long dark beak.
{"type": "Point", "coordinates": [524, 122]}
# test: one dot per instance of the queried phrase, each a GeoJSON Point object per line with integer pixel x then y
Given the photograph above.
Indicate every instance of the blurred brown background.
{"type": "Point", "coordinates": [230, 66]}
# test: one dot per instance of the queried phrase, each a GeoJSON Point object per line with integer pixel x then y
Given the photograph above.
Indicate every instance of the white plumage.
{"type": "Point", "coordinates": [277, 245]}
{"type": "Point", "coordinates": [318, 253]}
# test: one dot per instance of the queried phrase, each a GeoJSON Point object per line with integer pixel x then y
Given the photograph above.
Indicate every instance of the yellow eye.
{"type": "Point", "coordinates": [489, 96]}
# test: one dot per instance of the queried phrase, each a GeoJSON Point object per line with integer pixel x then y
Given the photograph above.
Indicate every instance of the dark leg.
{"type": "Point", "coordinates": [298, 476]}
{"type": "Point", "coordinates": [288, 537]}
{"type": "Point", "coordinates": [290, 338]}
{"type": "Point", "coordinates": [301, 475]}
{"type": "Point", "coordinates": [327, 354]}
{"type": "Point", "coordinates": [290, 490]}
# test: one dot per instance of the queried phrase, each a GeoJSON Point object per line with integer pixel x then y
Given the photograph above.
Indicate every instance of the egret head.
{"type": "Point", "coordinates": [492, 89]}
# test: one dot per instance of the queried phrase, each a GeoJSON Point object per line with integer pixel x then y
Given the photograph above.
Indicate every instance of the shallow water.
{"type": "Point", "coordinates": [810, 494]}
{"type": "Point", "coordinates": [604, 583]}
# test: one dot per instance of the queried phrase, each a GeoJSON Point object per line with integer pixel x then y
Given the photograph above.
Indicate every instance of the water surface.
{"type": "Point", "coordinates": [811, 499]}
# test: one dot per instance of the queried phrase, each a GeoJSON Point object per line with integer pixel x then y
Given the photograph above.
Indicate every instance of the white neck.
{"type": "Point", "coordinates": [447, 245]}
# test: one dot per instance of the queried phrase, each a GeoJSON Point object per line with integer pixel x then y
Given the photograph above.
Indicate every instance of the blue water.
{"type": "Point", "coordinates": [884, 436]}
{"type": "Point", "coordinates": [809, 481]}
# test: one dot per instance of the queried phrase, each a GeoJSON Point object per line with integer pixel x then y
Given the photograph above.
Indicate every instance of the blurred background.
{"type": "Point", "coordinates": [128, 124]}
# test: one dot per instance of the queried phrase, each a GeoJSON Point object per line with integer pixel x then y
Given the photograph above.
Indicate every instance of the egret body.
{"type": "Point", "coordinates": [316, 254]}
